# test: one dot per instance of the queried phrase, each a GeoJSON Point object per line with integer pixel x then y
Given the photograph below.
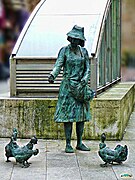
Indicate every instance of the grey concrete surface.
{"type": "Point", "coordinates": [5, 88]}
{"type": "Point", "coordinates": [52, 163]}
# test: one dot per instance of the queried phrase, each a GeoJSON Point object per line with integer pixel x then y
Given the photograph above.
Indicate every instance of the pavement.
{"type": "Point", "coordinates": [5, 89]}
{"type": "Point", "coordinates": [52, 163]}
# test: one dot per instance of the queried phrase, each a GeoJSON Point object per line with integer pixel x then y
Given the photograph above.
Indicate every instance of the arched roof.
{"type": "Point", "coordinates": [45, 31]}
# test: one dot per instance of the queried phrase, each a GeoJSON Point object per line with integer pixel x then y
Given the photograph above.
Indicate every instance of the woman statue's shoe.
{"type": "Point", "coordinates": [69, 149]}
{"type": "Point", "coordinates": [82, 147]}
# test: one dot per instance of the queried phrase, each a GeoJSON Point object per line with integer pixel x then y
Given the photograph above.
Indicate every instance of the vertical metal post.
{"type": "Point", "coordinates": [103, 58]}
{"type": "Point", "coordinates": [119, 37]}
{"type": "Point", "coordinates": [93, 80]}
{"type": "Point", "coordinates": [12, 77]}
{"type": "Point", "coordinates": [108, 29]}
{"type": "Point", "coordinates": [114, 40]}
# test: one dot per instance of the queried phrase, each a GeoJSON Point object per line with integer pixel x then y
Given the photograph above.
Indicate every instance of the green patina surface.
{"type": "Point", "coordinates": [110, 114]}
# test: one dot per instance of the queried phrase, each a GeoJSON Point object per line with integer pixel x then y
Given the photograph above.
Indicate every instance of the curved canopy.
{"type": "Point", "coordinates": [45, 31]}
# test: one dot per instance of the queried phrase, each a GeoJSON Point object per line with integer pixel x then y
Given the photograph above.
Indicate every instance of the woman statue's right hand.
{"type": "Point", "coordinates": [51, 79]}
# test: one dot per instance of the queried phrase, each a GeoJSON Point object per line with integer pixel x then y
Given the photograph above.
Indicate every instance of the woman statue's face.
{"type": "Point", "coordinates": [74, 42]}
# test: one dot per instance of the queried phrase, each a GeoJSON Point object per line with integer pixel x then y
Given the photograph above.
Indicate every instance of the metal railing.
{"type": "Point", "coordinates": [106, 63]}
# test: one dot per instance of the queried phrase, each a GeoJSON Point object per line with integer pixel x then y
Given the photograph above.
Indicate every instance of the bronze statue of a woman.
{"type": "Point", "coordinates": [74, 93]}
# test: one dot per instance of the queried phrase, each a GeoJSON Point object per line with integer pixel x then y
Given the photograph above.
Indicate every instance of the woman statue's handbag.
{"type": "Point", "coordinates": [81, 92]}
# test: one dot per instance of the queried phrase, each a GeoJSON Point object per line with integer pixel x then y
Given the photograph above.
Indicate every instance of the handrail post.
{"type": "Point", "coordinates": [12, 77]}
{"type": "Point", "coordinates": [93, 78]}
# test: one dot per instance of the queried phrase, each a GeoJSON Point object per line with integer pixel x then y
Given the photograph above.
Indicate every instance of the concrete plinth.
{"type": "Point", "coordinates": [112, 109]}
{"type": "Point", "coordinates": [34, 116]}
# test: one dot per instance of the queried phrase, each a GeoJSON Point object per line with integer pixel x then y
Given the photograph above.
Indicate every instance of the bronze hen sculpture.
{"type": "Point", "coordinates": [109, 156]}
{"type": "Point", "coordinates": [21, 154]}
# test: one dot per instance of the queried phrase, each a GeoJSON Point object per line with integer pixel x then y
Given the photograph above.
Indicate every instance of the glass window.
{"type": "Point", "coordinates": [46, 33]}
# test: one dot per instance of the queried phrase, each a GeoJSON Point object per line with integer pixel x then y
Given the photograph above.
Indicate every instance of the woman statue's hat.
{"type": "Point", "coordinates": [77, 32]}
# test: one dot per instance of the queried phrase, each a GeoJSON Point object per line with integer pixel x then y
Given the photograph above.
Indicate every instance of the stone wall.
{"type": "Point", "coordinates": [110, 114]}
{"type": "Point", "coordinates": [112, 109]}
